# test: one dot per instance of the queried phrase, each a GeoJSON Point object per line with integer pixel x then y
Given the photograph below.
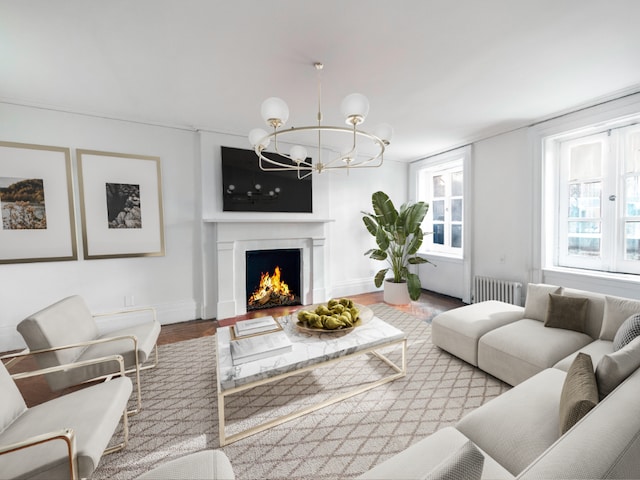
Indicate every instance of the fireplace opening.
{"type": "Point", "coordinates": [273, 278]}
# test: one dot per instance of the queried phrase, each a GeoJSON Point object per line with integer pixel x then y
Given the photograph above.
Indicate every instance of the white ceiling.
{"type": "Point", "coordinates": [441, 72]}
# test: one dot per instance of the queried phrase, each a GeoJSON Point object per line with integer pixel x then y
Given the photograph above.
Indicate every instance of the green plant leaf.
{"type": "Point", "coordinates": [384, 209]}
{"type": "Point", "coordinates": [413, 284]}
{"type": "Point", "coordinates": [379, 278]}
{"type": "Point", "coordinates": [378, 254]}
{"type": "Point", "coordinates": [416, 240]}
{"type": "Point", "coordinates": [382, 239]}
{"type": "Point", "coordinates": [414, 216]}
{"type": "Point", "coordinates": [416, 260]}
{"type": "Point", "coordinates": [372, 225]}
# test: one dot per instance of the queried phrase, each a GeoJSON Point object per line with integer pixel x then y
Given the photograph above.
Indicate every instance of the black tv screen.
{"type": "Point", "coordinates": [247, 188]}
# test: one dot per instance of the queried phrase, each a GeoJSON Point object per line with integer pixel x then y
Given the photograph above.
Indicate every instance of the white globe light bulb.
{"type": "Point", "coordinates": [256, 137]}
{"type": "Point", "coordinates": [298, 153]}
{"type": "Point", "coordinates": [355, 108]}
{"type": "Point", "coordinates": [275, 112]}
{"type": "Point", "coordinates": [384, 132]}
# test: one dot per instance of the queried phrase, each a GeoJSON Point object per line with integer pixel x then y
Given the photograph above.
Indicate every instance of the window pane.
{"type": "Point", "coordinates": [456, 184]}
{"type": "Point", "coordinates": [456, 210]}
{"type": "Point", "coordinates": [632, 191]}
{"type": "Point", "coordinates": [456, 236]}
{"type": "Point", "coordinates": [632, 163]}
{"type": "Point", "coordinates": [438, 186]}
{"type": "Point", "coordinates": [438, 210]}
{"type": "Point", "coordinates": [584, 246]}
{"type": "Point", "coordinates": [586, 161]}
{"type": "Point", "coordinates": [632, 234]}
{"type": "Point", "coordinates": [584, 227]}
{"type": "Point", "coordinates": [584, 200]}
{"type": "Point", "coordinates": [438, 233]}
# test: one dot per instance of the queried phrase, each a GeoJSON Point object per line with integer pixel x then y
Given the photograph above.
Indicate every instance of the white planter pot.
{"type": "Point", "coordinates": [396, 293]}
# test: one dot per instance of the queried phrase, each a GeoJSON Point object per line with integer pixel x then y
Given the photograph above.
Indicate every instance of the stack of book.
{"type": "Point", "coordinates": [257, 338]}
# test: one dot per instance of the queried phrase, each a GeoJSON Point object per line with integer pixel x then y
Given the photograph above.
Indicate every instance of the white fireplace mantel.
{"type": "Point", "coordinates": [262, 219]}
{"type": "Point", "coordinates": [235, 236]}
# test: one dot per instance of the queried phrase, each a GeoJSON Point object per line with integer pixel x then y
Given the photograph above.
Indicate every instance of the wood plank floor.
{"type": "Point", "coordinates": [36, 390]}
{"type": "Point", "coordinates": [426, 306]}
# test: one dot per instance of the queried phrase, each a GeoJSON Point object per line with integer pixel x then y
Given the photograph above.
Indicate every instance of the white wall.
{"type": "Point", "coordinates": [351, 271]}
{"type": "Point", "coordinates": [167, 282]}
{"type": "Point", "coordinates": [502, 207]}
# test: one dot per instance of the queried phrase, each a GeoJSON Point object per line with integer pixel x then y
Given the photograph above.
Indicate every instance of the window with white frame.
{"type": "Point", "coordinates": [593, 185]}
{"type": "Point", "coordinates": [440, 184]}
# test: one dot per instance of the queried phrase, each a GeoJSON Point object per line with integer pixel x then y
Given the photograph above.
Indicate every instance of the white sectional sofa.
{"type": "Point", "coordinates": [519, 433]}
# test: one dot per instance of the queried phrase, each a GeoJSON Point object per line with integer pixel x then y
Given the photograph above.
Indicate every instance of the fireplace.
{"type": "Point", "coordinates": [273, 278]}
{"type": "Point", "coordinates": [233, 238]}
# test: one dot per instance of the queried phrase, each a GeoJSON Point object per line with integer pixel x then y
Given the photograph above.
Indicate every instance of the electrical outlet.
{"type": "Point", "coordinates": [129, 301]}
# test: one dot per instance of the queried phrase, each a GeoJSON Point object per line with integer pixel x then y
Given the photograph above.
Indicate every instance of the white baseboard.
{"type": "Point", "coordinates": [167, 313]}
{"type": "Point", "coordinates": [354, 287]}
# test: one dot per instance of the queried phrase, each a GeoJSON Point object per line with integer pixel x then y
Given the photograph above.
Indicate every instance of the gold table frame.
{"type": "Point", "coordinates": [400, 371]}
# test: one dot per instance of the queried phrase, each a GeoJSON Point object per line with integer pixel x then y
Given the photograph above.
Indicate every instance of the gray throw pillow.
{"type": "Point", "coordinates": [616, 311]}
{"type": "Point", "coordinates": [579, 392]}
{"type": "Point", "coordinates": [537, 301]}
{"type": "Point", "coordinates": [614, 368]}
{"type": "Point", "coordinates": [464, 464]}
{"type": "Point", "coordinates": [569, 313]}
{"type": "Point", "coordinates": [629, 330]}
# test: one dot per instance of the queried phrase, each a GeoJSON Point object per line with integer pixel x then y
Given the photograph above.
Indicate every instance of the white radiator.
{"type": "Point", "coordinates": [487, 288]}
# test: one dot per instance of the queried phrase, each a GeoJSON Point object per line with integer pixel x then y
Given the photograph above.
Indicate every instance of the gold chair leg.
{"type": "Point", "coordinates": [137, 371]}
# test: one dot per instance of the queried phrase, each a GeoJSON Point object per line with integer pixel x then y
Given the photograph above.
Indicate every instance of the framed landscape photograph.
{"type": "Point", "coordinates": [121, 205]}
{"type": "Point", "coordinates": [36, 202]}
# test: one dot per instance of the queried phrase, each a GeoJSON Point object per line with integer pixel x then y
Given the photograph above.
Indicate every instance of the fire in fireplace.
{"type": "Point", "coordinates": [273, 278]}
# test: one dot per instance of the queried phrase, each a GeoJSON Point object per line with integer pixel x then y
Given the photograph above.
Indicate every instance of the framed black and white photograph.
{"type": "Point", "coordinates": [121, 204]}
{"type": "Point", "coordinates": [36, 202]}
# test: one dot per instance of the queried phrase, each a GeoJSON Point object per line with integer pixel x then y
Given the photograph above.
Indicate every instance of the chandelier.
{"type": "Point", "coordinates": [354, 108]}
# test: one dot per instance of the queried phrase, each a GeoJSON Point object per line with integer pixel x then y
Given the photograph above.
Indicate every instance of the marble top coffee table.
{"type": "Point", "coordinates": [309, 351]}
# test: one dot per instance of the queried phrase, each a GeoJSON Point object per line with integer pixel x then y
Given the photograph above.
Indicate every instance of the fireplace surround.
{"type": "Point", "coordinates": [236, 236]}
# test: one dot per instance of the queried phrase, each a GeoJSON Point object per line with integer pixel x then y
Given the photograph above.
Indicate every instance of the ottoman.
{"type": "Point", "coordinates": [458, 330]}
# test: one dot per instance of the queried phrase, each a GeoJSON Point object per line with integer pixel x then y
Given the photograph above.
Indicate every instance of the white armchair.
{"type": "Point", "coordinates": [66, 332]}
{"type": "Point", "coordinates": [63, 438]}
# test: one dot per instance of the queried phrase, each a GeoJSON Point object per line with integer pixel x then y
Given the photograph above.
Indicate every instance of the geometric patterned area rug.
{"type": "Point", "coordinates": [343, 440]}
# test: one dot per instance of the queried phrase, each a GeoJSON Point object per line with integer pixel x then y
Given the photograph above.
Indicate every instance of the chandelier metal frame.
{"type": "Point", "coordinates": [297, 160]}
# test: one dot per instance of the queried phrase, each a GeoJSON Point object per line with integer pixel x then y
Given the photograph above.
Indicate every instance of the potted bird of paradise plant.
{"type": "Point", "coordinates": [399, 235]}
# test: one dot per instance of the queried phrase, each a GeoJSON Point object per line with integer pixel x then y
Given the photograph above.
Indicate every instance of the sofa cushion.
{"type": "Point", "coordinates": [596, 350]}
{"type": "Point", "coordinates": [206, 464]}
{"type": "Point", "coordinates": [464, 464]}
{"type": "Point", "coordinates": [426, 454]}
{"type": "Point", "coordinates": [521, 349]}
{"type": "Point", "coordinates": [605, 444]}
{"type": "Point", "coordinates": [537, 301]}
{"type": "Point", "coordinates": [629, 330]}
{"type": "Point", "coordinates": [579, 392]}
{"type": "Point", "coordinates": [615, 367]}
{"type": "Point", "coordinates": [616, 311]}
{"type": "Point", "coordinates": [517, 426]}
{"type": "Point", "coordinates": [569, 313]}
{"type": "Point", "coordinates": [595, 310]}
{"type": "Point", "coordinates": [457, 331]}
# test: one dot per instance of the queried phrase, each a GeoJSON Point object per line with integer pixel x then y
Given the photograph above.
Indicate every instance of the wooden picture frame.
{"type": "Point", "coordinates": [36, 202]}
{"type": "Point", "coordinates": [121, 204]}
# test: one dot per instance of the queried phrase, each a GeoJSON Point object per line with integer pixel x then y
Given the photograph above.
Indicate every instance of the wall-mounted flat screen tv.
{"type": "Point", "coordinates": [247, 188]}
